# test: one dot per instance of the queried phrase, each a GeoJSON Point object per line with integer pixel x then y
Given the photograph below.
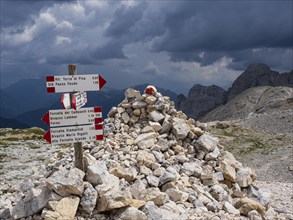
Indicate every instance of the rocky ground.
{"type": "Point", "coordinates": [154, 163]}
{"type": "Point", "coordinates": [264, 143]}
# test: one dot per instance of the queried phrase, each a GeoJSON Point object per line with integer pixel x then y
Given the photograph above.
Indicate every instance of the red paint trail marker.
{"type": "Point", "coordinates": [69, 117]}
{"type": "Point", "coordinates": [73, 134]}
{"type": "Point", "coordinates": [74, 83]}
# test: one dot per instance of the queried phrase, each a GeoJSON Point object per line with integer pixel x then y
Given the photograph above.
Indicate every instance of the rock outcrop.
{"type": "Point", "coordinates": [200, 100]}
{"type": "Point", "coordinates": [259, 75]}
{"type": "Point", "coordinates": [161, 166]}
{"type": "Point", "coordinates": [264, 100]}
{"type": "Point", "coordinates": [203, 99]}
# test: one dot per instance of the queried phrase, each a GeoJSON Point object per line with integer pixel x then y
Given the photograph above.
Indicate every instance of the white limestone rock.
{"type": "Point", "coordinates": [180, 128]}
{"type": "Point", "coordinates": [67, 182]}
{"type": "Point", "coordinates": [89, 198]}
{"type": "Point", "coordinates": [130, 213]}
{"type": "Point", "coordinates": [33, 202]}
{"type": "Point", "coordinates": [206, 142]}
{"type": "Point", "coordinates": [156, 116]}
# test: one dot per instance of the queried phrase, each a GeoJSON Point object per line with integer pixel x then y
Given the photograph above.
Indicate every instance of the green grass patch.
{"type": "Point", "coordinates": [11, 139]}
{"type": "Point", "coordinates": [228, 133]}
{"type": "Point", "coordinates": [11, 132]}
{"type": "Point", "coordinates": [36, 131]}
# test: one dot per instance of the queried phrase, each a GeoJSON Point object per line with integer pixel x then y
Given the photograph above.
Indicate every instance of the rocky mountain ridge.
{"type": "Point", "coordinates": [197, 104]}
{"type": "Point", "coordinates": [154, 163]}
{"type": "Point", "coordinates": [200, 100]}
{"type": "Point", "coordinates": [263, 100]}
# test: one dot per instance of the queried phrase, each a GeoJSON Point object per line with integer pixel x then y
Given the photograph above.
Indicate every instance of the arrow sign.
{"type": "Point", "coordinates": [69, 117]}
{"type": "Point", "coordinates": [79, 99]}
{"type": "Point", "coordinates": [74, 83]}
{"type": "Point", "coordinates": [65, 101]}
{"type": "Point", "coordinates": [64, 135]}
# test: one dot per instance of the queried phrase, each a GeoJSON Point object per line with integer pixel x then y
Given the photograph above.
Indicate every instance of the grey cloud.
{"type": "Point", "coordinates": [226, 25]}
{"type": "Point", "coordinates": [204, 31]}
{"type": "Point", "coordinates": [200, 31]}
{"type": "Point", "coordinates": [151, 69]}
{"type": "Point", "coordinates": [124, 19]}
{"type": "Point", "coordinates": [18, 12]}
{"type": "Point", "coordinates": [112, 50]}
{"type": "Point", "coordinates": [277, 58]}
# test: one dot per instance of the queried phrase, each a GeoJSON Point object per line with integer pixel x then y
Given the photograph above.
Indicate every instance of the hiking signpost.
{"type": "Point", "coordinates": [76, 100]}
{"type": "Point", "coordinates": [74, 124]}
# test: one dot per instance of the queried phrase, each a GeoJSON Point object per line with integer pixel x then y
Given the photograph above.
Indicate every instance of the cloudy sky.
{"type": "Point", "coordinates": [174, 44]}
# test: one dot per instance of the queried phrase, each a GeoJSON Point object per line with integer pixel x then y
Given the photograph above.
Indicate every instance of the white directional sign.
{"type": "Point", "coordinates": [68, 117]}
{"type": "Point", "coordinates": [65, 100]}
{"type": "Point", "coordinates": [74, 83]}
{"type": "Point", "coordinates": [79, 99]}
{"type": "Point", "coordinates": [63, 135]}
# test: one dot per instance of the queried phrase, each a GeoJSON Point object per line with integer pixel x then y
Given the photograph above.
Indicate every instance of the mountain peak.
{"type": "Point", "coordinates": [257, 67]}
{"type": "Point", "coordinates": [257, 74]}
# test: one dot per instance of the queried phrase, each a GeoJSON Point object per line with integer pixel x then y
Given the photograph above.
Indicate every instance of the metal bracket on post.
{"type": "Point", "coordinates": [78, 150]}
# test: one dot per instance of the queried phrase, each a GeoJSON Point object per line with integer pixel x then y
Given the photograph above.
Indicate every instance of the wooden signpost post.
{"type": "Point", "coordinates": [74, 124]}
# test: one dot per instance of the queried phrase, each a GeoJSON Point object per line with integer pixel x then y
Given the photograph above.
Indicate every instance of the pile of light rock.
{"type": "Point", "coordinates": [154, 163]}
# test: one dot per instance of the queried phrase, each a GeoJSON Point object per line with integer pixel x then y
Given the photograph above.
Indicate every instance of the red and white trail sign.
{"type": "Point", "coordinates": [65, 101]}
{"type": "Point", "coordinates": [74, 83]}
{"type": "Point", "coordinates": [64, 135]}
{"type": "Point", "coordinates": [70, 117]}
{"type": "Point", "coordinates": [78, 99]}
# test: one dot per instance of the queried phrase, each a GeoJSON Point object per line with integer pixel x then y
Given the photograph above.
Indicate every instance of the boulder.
{"type": "Point", "coordinates": [130, 213]}
{"type": "Point", "coordinates": [65, 209]}
{"type": "Point", "coordinates": [89, 198]}
{"type": "Point", "coordinates": [245, 205]}
{"type": "Point", "coordinates": [245, 176]}
{"type": "Point", "coordinates": [180, 128]}
{"type": "Point", "coordinates": [139, 104]}
{"type": "Point", "coordinates": [67, 182]}
{"type": "Point", "coordinates": [145, 136]}
{"type": "Point", "coordinates": [191, 169]}
{"type": "Point", "coordinates": [154, 194]}
{"type": "Point", "coordinates": [97, 173]}
{"type": "Point", "coordinates": [33, 202]}
{"type": "Point", "coordinates": [128, 174]}
{"type": "Point", "coordinates": [230, 209]}
{"type": "Point", "coordinates": [132, 93]}
{"type": "Point", "coordinates": [206, 142]}
{"type": "Point", "coordinates": [228, 171]}
{"type": "Point", "coordinates": [145, 158]}
{"type": "Point", "coordinates": [156, 116]}
{"type": "Point", "coordinates": [117, 199]}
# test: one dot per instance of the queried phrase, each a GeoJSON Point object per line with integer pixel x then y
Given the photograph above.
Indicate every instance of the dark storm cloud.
{"type": "Point", "coordinates": [112, 50]}
{"type": "Point", "coordinates": [17, 12]}
{"type": "Point", "coordinates": [125, 19]}
{"type": "Point", "coordinates": [136, 24]}
{"type": "Point", "coordinates": [151, 37]}
{"type": "Point", "coordinates": [226, 25]}
{"type": "Point", "coordinates": [205, 33]}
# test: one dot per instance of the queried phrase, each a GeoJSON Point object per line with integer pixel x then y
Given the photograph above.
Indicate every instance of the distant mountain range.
{"type": "Point", "coordinates": [24, 103]}
{"type": "Point", "coordinates": [202, 99]}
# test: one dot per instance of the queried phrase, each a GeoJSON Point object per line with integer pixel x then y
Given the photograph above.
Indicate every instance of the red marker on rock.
{"type": "Point", "coordinates": [150, 90]}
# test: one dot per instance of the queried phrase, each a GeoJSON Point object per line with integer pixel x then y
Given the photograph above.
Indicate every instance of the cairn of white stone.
{"type": "Point", "coordinates": [154, 163]}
